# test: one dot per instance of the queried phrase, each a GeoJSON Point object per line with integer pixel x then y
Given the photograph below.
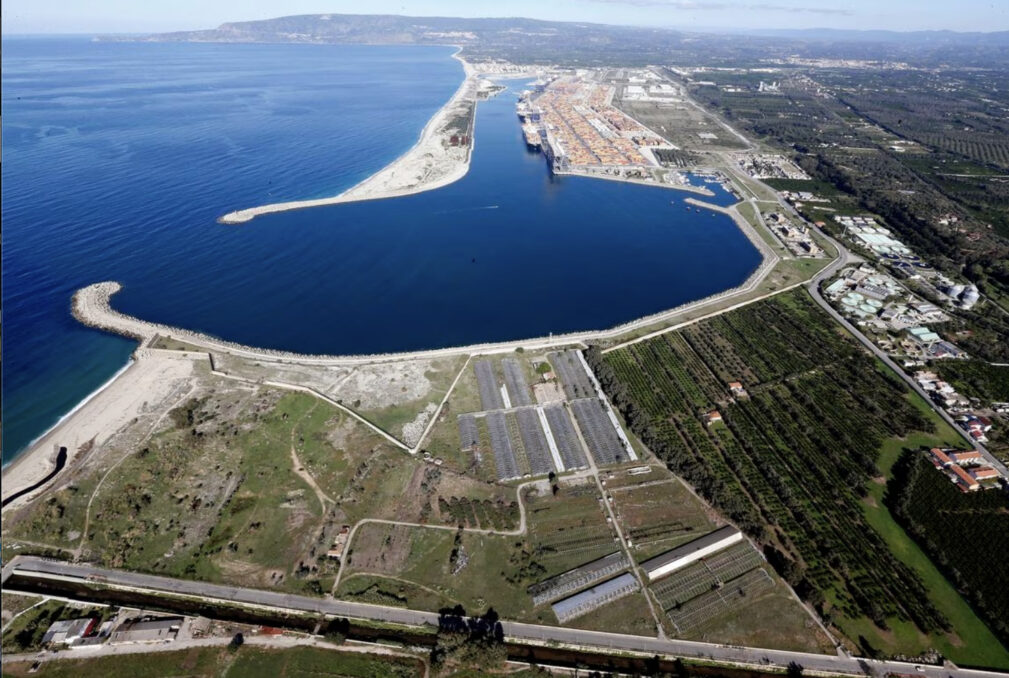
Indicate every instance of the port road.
{"type": "Point", "coordinates": [41, 570]}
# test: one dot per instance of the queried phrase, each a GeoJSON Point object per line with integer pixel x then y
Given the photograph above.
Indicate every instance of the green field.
{"type": "Point", "coordinates": [796, 459]}
{"type": "Point", "coordinates": [966, 533]}
{"type": "Point", "coordinates": [217, 662]}
{"type": "Point", "coordinates": [250, 485]}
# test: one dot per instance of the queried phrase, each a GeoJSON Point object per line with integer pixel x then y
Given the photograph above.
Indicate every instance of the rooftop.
{"type": "Point", "coordinates": [690, 547]}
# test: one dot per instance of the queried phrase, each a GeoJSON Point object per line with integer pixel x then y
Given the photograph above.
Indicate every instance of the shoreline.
{"type": "Point", "coordinates": [371, 188]}
{"type": "Point", "coordinates": [32, 453]}
{"type": "Point", "coordinates": [137, 389]}
{"type": "Point", "coordinates": [88, 398]}
{"type": "Point", "coordinates": [34, 461]}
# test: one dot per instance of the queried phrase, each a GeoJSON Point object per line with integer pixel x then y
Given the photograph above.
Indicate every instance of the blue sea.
{"type": "Point", "coordinates": [119, 157]}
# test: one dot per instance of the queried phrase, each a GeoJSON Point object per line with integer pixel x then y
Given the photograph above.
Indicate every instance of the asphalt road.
{"type": "Point", "coordinates": [30, 566]}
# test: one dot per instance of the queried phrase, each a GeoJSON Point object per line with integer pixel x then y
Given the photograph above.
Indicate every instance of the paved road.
{"type": "Point", "coordinates": [29, 566]}
{"type": "Point", "coordinates": [814, 291]}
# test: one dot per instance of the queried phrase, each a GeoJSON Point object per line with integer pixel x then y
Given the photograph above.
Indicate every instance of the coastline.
{"type": "Point", "coordinates": [425, 166]}
{"type": "Point", "coordinates": [92, 304]}
{"type": "Point", "coordinates": [138, 388]}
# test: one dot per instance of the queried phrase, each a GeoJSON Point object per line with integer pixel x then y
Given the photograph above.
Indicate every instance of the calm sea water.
{"type": "Point", "coordinates": [117, 159]}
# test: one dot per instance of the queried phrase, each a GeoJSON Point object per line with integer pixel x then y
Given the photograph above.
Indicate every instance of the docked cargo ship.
{"type": "Point", "coordinates": [532, 135]}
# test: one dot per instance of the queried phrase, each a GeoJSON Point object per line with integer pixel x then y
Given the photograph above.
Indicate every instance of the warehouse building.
{"type": "Point", "coordinates": [595, 597]}
{"type": "Point", "coordinates": [681, 556]}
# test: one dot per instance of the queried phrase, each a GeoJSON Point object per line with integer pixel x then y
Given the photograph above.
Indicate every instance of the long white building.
{"type": "Point", "coordinates": [691, 552]}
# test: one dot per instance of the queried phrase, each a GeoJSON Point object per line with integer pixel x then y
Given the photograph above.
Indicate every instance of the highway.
{"type": "Point", "coordinates": [43, 569]}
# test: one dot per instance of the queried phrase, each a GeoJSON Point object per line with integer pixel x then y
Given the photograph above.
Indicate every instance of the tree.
{"type": "Point", "coordinates": [794, 670]}
{"type": "Point", "coordinates": [475, 642]}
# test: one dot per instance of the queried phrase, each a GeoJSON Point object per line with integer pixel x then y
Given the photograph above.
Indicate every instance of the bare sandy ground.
{"type": "Point", "coordinates": [431, 163]}
{"type": "Point", "coordinates": [142, 387]}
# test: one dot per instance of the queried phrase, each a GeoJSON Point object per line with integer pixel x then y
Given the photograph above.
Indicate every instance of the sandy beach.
{"type": "Point", "coordinates": [142, 387]}
{"type": "Point", "coordinates": [431, 163]}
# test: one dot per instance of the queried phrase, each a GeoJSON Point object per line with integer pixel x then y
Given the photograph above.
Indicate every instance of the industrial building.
{"type": "Point", "coordinates": [595, 597]}
{"type": "Point", "coordinates": [691, 552]}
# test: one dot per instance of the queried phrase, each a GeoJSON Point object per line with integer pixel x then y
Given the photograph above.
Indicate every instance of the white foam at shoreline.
{"type": "Point", "coordinates": [88, 398]}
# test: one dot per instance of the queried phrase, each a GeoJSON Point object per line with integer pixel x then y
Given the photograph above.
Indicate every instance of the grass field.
{"type": "Point", "coordinates": [173, 344]}
{"type": "Point", "coordinates": [972, 643]}
{"type": "Point", "coordinates": [407, 418]}
{"type": "Point", "coordinates": [216, 662]}
{"type": "Point", "coordinates": [14, 603]}
{"type": "Point", "coordinates": [249, 484]}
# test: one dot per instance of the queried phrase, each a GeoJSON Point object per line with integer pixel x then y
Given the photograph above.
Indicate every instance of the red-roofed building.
{"type": "Point", "coordinates": [966, 457]}
{"type": "Point", "coordinates": [963, 479]}
{"type": "Point", "coordinates": [984, 473]}
{"type": "Point", "coordinates": [940, 458]}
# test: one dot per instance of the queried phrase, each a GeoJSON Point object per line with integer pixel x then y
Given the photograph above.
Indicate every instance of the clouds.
{"type": "Point", "coordinates": [693, 5]}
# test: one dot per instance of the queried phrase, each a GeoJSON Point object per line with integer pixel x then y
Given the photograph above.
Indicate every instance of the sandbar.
{"type": "Point", "coordinates": [431, 163]}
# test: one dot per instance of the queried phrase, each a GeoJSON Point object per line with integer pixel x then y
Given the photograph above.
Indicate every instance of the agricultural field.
{"type": "Point", "coordinates": [734, 597]}
{"type": "Point", "coordinates": [792, 460]}
{"type": "Point", "coordinates": [966, 534]}
{"type": "Point", "coordinates": [568, 528]}
{"type": "Point", "coordinates": [215, 662]}
{"type": "Point", "coordinates": [767, 618]}
{"type": "Point", "coordinates": [658, 514]}
{"type": "Point", "coordinates": [428, 569]}
{"type": "Point", "coordinates": [249, 484]}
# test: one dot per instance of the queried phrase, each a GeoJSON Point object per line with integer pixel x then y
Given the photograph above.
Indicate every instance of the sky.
{"type": "Point", "coordinates": [142, 16]}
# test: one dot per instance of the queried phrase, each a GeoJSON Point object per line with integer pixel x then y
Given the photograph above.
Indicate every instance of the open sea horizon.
{"type": "Point", "coordinates": [119, 157]}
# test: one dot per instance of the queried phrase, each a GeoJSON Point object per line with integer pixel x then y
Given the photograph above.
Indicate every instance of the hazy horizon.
{"type": "Point", "coordinates": [54, 17]}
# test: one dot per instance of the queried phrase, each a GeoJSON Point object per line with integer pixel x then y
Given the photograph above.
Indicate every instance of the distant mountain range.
{"type": "Point", "coordinates": [589, 44]}
{"type": "Point", "coordinates": [393, 29]}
